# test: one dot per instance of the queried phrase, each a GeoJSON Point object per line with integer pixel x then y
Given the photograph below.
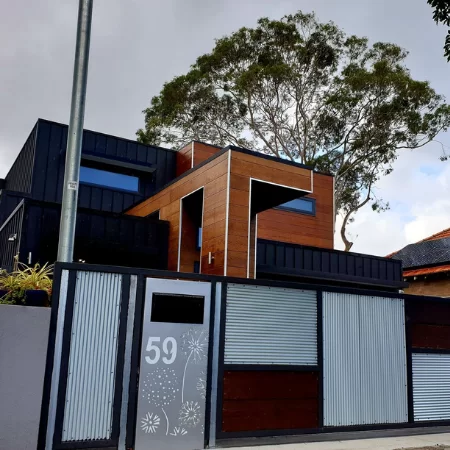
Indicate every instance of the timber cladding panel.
{"type": "Point", "coordinates": [212, 176]}
{"type": "Point", "coordinates": [184, 159]}
{"type": "Point", "coordinates": [245, 167]}
{"type": "Point", "coordinates": [193, 154]}
{"type": "Point", "coordinates": [303, 229]}
{"type": "Point", "coordinates": [429, 324]}
{"type": "Point", "coordinates": [203, 151]}
{"type": "Point", "coordinates": [270, 400]}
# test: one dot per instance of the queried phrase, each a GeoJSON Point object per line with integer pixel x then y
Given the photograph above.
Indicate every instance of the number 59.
{"type": "Point", "coordinates": [151, 347]}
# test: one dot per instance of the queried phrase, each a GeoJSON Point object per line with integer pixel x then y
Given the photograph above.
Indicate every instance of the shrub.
{"type": "Point", "coordinates": [25, 278]}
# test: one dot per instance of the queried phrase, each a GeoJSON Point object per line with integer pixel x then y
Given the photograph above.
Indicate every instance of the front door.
{"type": "Point", "coordinates": [173, 365]}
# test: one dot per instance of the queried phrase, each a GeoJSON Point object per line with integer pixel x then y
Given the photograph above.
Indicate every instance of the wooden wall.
{"type": "Point", "coordinates": [270, 400]}
{"type": "Point", "coordinates": [244, 167]}
{"type": "Point", "coordinates": [274, 225]}
{"type": "Point", "coordinates": [203, 151]}
{"type": "Point", "coordinates": [184, 159]}
{"type": "Point", "coordinates": [297, 228]}
{"type": "Point", "coordinates": [199, 151]}
{"type": "Point", "coordinates": [213, 176]}
{"type": "Point", "coordinates": [429, 324]}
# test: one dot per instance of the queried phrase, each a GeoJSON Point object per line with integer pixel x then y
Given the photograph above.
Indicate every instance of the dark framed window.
{"type": "Point", "coordinates": [199, 238]}
{"type": "Point", "coordinates": [176, 308]}
{"type": "Point", "coordinates": [109, 179]}
{"type": "Point", "coordinates": [300, 205]}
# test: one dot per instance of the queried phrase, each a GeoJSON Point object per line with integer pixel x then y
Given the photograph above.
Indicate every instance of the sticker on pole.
{"type": "Point", "coordinates": [72, 185]}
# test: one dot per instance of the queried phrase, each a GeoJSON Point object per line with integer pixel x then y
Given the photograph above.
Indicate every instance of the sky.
{"type": "Point", "coordinates": [137, 45]}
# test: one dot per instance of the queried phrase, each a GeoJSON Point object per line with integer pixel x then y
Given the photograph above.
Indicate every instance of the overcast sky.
{"type": "Point", "coordinates": [137, 45]}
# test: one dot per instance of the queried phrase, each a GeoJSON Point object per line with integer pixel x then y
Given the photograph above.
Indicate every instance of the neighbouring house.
{"type": "Point", "coordinates": [426, 265]}
{"type": "Point", "coordinates": [202, 209]}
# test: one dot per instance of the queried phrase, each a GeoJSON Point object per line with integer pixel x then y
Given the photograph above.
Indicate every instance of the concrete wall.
{"type": "Point", "coordinates": [23, 350]}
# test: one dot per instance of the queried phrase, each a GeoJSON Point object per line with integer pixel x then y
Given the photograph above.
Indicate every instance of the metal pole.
{"type": "Point", "coordinates": [74, 139]}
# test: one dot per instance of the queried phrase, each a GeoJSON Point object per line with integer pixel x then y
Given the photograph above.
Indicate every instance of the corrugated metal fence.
{"type": "Point", "coordinates": [93, 354]}
{"type": "Point", "coordinates": [365, 373]}
{"type": "Point", "coordinates": [431, 381]}
{"type": "Point", "coordinates": [266, 325]}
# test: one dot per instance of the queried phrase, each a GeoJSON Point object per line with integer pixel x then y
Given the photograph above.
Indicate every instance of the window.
{"type": "Point", "coordinates": [175, 308]}
{"type": "Point", "coordinates": [199, 238]}
{"type": "Point", "coordinates": [301, 205]}
{"type": "Point", "coordinates": [109, 179]}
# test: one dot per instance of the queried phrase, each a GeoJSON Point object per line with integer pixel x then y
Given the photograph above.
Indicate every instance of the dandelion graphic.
{"type": "Point", "coordinates": [190, 414]}
{"type": "Point", "coordinates": [150, 422]}
{"type": "Point", "coordinates": [178, 431]}
{"type": "Point", "coordinates": [194, 344]}
{"type": "Point", "coordinates": [161, 389]}
{"type": "Point", "coordinates": [201, 385]}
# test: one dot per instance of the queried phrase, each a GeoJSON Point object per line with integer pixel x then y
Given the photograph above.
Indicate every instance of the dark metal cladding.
{"type": "Point", "coordinates": [298, 260]}
{"type": "Point", "coordinates": [100, 237]}
{"type": "Point", "coordinates": [48, 176]}
{"type": "Point", "coordinates": [20, 175]}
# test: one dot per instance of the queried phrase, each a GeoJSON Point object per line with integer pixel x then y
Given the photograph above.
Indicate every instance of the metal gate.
{"type": "Point", "coordinates": [173, 365]}
{"type": "Point", "coordinates": [270, 325]}
{"type": "Point", "coordinates": [431, 385]}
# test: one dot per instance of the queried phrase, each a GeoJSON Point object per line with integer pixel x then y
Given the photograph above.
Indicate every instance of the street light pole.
{"type": "Point", "coordinates": [75, 136]}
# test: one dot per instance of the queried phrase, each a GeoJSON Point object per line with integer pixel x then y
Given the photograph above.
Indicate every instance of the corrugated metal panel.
{"type": "Point", "coordinates": [383, 360]}
{"type": "Point", "coordinates": [92, 362]}
{"type": "Point", "coordinates": [431, 386]}
{"type": "Point", "coordinates": [364, 360]}
{"type": "Point", "coordinates": [341, 360]}
{"type": "Point", "coordinates": [266, 325]}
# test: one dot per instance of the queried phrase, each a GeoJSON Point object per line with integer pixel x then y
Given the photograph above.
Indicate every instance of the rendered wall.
{"type": "Point", "coordinates": [23, 350]}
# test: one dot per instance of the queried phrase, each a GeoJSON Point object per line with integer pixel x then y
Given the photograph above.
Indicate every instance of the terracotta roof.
{"type": "Point", "coordinates": [426, 271]}
{"type": "Point", "coordinates": [441, 235]}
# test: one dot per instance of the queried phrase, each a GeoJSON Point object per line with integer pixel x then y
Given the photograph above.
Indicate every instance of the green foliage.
{"type": "Point", "coordinates": [24, 279]}
{"type": "Point", "coordinates": [303, 90]}
{"type": "Point", "coordinates": [441, 14]}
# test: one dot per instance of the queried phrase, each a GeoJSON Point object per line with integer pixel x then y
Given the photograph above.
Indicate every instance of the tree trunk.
{"type": "Point", "coordinates": [348, 244]}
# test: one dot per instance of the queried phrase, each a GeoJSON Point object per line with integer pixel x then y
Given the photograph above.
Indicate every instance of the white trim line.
{"type": "Point", "coordinates": [249, 226]}
{"type": "Point", "coordinates": [192, 154]}
{"type": "Point", "coordinates": [203, 215]}
{"type": "Point", "coordinates": [334, 208]}
{"type": "Point", "coordinates": [312, 180]}
{"type": "Point", "coordinates": [282, 185]}
{"type": "Point", "coordinates": [190, 193]}
{"type": "Point", "coordinates": [181, 225]}
{"type": "Point", "coordinates": [256, 244]}
{"type": "Point", "coordinates": [227, 211]}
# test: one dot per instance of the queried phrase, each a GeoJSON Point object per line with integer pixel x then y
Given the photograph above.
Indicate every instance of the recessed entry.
{"type": "Point", "coordinates": [177, 308]}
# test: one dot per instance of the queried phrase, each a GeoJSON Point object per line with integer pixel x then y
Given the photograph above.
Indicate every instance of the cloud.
{"type": "Point", "coordinates": [419, 202]}
{"type": "Point", "coordinates": [137, 45]}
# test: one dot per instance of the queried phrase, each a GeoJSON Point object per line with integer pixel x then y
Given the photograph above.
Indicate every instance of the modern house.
{"type": "Point", "coordinates": [202, 209]}
{"type": "Point", "coordinates": [254, 327]}
{"type": "Point", "coordinates": [426, 265]}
